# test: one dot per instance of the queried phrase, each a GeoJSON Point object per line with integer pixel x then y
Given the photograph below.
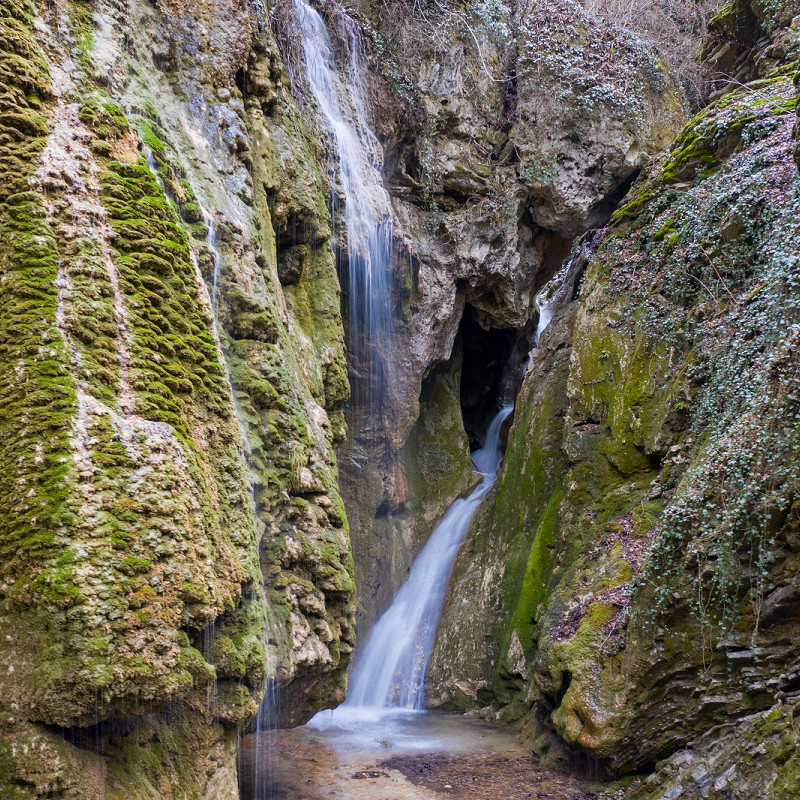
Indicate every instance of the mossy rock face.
{"type": "Point", "coordinates": [283, 345]}
{"type": "Point", "coordinates": [139, 535]}
{"type": "Point", "coordinates": [672, 419]}
{"type": "Point", "coordinates": [178, 753]}
{"type": "Point", "coordinates": [437, 451]}
{"type": "Point", "coordinates": [153, 537]}
{"type": "Point", "coordinates": [638, 620]}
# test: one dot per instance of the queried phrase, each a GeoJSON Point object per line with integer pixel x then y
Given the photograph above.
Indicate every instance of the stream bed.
{"type": "Point", "coordinates": [402, 755]}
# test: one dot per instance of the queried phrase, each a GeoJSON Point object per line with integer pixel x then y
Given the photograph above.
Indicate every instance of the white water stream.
{"type": "Point", "coordinates": [548, 299]}
{"type": "Point", "coordinates": [367, 208]}
{"type": "Point", "coordinates": [390, 672]}
{"type": "Point", "coordinates": [388, 676]}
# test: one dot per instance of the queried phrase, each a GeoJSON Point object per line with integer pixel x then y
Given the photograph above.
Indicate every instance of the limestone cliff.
{"type": "Point", "coordinates": [643, 534]}
{"type": "Point", "coordinates": [507, 130]}
{"type": "Point", "coordinates": [173, 376]}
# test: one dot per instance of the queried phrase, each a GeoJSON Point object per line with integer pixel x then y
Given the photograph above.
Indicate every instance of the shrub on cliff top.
{"type": "Point", "coordinates": [675, 27]}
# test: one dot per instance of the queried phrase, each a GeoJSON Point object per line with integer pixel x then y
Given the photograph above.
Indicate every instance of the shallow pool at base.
{"type": "Point", "coordinates": [405, 755]}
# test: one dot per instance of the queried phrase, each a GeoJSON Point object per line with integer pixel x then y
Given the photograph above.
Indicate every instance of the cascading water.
{"type": "Point", "coordinates": [258, 779]}
{"type": "Point", "coordinates": [259, 782]}
{"type": "Point", "coordinates": [390, 672]}
{"type": "Point", "coordinates": [559, 290]}
{"type": "Point", "coordinates": [367, 208]}
{"type": "Point", "coordinates": [547, 300]}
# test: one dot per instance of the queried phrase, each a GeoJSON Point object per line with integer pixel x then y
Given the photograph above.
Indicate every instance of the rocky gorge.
{"type": "Point", "coordinates": [214, 476]}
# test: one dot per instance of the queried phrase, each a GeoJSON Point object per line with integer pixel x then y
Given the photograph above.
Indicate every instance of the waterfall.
{"type": "Point", "coordinates": [544, 305]}
{"type": "Point", "coordinates": [390, 673]}
{"type": "Point", "coordinates": [558, 291]}
{"type": "Point", "coordinates": [548, 298]}
{"type": "Point", "coordinates": [367, 208]}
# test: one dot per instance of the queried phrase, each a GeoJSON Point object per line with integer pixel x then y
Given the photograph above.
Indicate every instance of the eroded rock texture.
{"type": "Point", "coordinates": [507, 134]}
{"type": "Point", "coordinates": [643, 538]}
{"type": "Point", "coordinates": [171, 394]}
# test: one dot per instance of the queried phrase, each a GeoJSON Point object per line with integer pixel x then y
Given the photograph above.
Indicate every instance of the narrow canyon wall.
{"type": "Point", "coordinates": [508, 131]}
{"type": "Point", "coordinates": [173, 378]}
{"type": "Point", "coordinates": [173, 384]}
{"type": "Point", "coordinates": [641, 550]}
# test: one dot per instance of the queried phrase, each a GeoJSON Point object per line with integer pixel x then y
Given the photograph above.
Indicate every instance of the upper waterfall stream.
{"type": "Point", "coordinates": [367, 208]}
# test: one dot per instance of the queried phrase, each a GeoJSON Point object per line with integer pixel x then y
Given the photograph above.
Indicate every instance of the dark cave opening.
{"type": "Point", "coordinates": [555, 250]}
{"type": "Point", "coordinates": [241, 80]}
{"type": "Point", "coordinates": [484, 373]}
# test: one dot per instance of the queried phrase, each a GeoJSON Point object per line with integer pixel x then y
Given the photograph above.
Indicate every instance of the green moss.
{"type": "Point", "coordinates": [151, 250]}
{"type": "Point", "coordinates": [633, 205]}
{"type": "Point", "coordinates": [535, 587]}
{"type": "Point", "coordinates": [103, 116]}
{"type": "Point", "coordinates": [37, 392]}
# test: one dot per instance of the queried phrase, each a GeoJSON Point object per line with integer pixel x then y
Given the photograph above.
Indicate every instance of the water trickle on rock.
{"type": "Point", "coordinates": [367, 252]}
{"type": "Point", "coordinates": [259, 782]}
{"type": "Point", "coordinates": [258, 776]}
{"type": "Point", "coordinates": [548, 299]}
{"type": "Point", "coordinates": [211, 241]}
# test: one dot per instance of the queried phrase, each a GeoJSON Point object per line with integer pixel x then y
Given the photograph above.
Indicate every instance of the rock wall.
{"type": "Point", "coordinates": [174, 381]}
{"type": "Point", "coordinates": [644, 573]}
{"type": "Point", "coordinates": [173, 378]}
{"type": "Point", "coordinates": [499, 150]}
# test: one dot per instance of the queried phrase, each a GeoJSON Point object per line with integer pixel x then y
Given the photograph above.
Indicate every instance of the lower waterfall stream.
{"type": "Point", "coordinates": [390, 672]}
{"type": "Point", "coordinates": [372, 745]}
{"type": "Point", "coordinates": [381, 744]}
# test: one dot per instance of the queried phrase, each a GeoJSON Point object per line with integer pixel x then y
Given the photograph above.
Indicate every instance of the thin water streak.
{"type": "Point", "coordinates": [367, 207]}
